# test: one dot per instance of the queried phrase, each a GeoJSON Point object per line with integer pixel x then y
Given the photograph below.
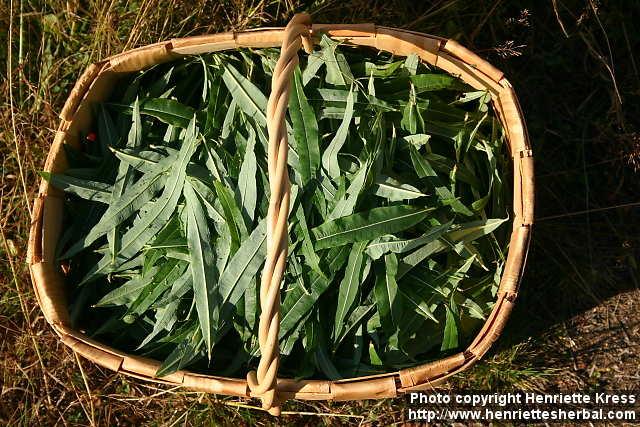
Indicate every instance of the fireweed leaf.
{"type": "Point", "coordinates": [314, 62]}
{"type": "Point", "coordinates": [393, 190]}
{"type": "Point", "coordinates": [131, 201]}
{"type": "Point", "coordinates": [203, 268]}
{"type": "Point", "coordinates": [297, 303]}
{"type": "Point", "coordinates": [349, 286]}
{"type": "Point", "coordinates": [389, 243]}
{"type": "Point", "coordinates": [242, 268]}
{"type": "Point", "coordinates": [125, 293]}
{"type": "Point", "coordinates": [138, 235]}
{"type": "Point", "coordinates": [424, 170]}
{"type": "Point", "coordinates": [368, 225]}
{"type": "Point", "coordinates": [232, 214]}
{"type": "Point", "coordinates": [305, 129]}
{"type": "Point", "coordinates": [184, 353]}
{"type": "Point", "coordinates": [168, 111]}
{"type": "Point", "coordinates": [94, 191]}
{"type": "Point", "coordinates": [248, 97]}
{"type": "Point", "coordinates": [338, 72]}
{"type": "Point", "coordinates": [387, 295]}
{"type": "Point", "coordinates": [330, 156]}
{"type": "Point", "coordinates": [247, 187]}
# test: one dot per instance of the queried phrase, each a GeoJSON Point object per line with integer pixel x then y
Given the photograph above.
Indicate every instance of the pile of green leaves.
{"type": "Point", "coordinates": [396, 247]}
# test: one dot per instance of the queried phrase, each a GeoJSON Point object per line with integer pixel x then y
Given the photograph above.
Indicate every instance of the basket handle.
{"type": "Point", "coordinates": [263, 383]}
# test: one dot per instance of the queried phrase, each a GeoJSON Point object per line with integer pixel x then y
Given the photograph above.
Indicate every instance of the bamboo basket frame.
{"type": "Point", "coordinates": [94, 86]}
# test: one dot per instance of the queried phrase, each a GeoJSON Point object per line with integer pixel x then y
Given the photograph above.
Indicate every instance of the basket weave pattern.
{"type": "Point", "coordinates": [94, 86]}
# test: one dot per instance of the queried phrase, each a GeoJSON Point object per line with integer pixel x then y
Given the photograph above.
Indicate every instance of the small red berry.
{"type": "Point", "coordinates": [91, 136]}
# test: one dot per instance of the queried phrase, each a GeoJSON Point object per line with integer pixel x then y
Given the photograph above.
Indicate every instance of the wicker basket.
{"type": "Point", "coordinates": [95, 85]}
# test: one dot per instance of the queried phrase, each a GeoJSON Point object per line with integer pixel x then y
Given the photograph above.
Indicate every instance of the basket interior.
{"type": "Point", "coordinates": [95, 86]}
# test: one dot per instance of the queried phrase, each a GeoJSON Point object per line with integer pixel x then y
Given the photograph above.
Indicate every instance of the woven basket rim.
{"type": "Point", "coordinates": [447, 55]}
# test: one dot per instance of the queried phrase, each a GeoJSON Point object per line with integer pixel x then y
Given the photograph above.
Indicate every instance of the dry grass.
{"type": "Point", "coordinates": [573, 65]}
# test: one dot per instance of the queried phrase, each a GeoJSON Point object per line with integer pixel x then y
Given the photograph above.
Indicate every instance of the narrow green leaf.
{"type": "Point", "coordinates": [358, 316]}
{"type": "Point", "coordinates": [168, 111]}
{"type": "Point", "coordinates": [348, 290]}
{"type": "Point", "coordinates": [134, 198]}
{"type": "Point", "coordinates": [389, 243]}
{"type": "Point", "coordinates": [242, 268]}
{"type": "Point", "coordinates": [381, 70]}
{"type": "Point", "coordinates": [330, 155]}
{"type": "Point", "coordinates": [160, 85]}
{"type": "Point", "coordinates": [409, 120]}
{"type": "Point", "coordinates": [368, 225]}
{"type": "Point", "coordinates": [450, 338]}
{"type": "Point", "coordinates": [393, 190]}
{"type": "Point", "coordinates": [314, 62]}
{"type": "Point", "coordinates": [127, 292]}
{"type": "Point", "coordinates": [249, 98]}
{"type": "Point", "coordinates": [124, 178]}
{"type": "Point", "coordinates": [229, 118]}
{"type": "Point", "coordinates": [165, 318]}
{"type": "Point", "coordinates": [203, 268]}
{"type": "Point", "coordinates": [134, 138]}
{"type": "Point", "coordinates": [325, 364]}
{"type": "Point", "coordinates": [144, 161]}
{"type": "Point", "coordinates": [184, 353]}
{"type": "Point", "coordinates": [297, 304]}
{"type": "Point", "coordinates": [94, 191]}
{"type": "Point", "coordinates": [107, 131]}
{"type": "Point", "coordinates": [424, 170]}
{"type": "Point", "coordinates": [307, 249]}
{"type": "Point", "coordinates": [223, 245]}
{"type": "Point", "coordinates": [347, 204]}
{"type": "Point", "coordinates": [417, 303]}
{"type": "Point", "coordinates": [429, 82]}
{"type": "Point", "coordinates": [179, 288]}
{"type": "Point", "coordinates": [467, 232]}
{"type": "Point", "coordinates": [471, 231]}
{"type": "Point", "coordinates": [168, 273]}
{"type": "Point", "coordinates": [373, 355]}
{"type": "Point", "coordinates": [411, 64]}
{"type": "Point", "coordinates": [247, 186]}
{"type": "Point", "coordinates": [232, 214]}
{"type": "Point", "coordinates": [151, 222]}
{"type": "Point", "coordinates": [338, 72]}
{"type": "Point", "coordinates": [305, 130]}
{"type": "Point", "coordinates": [387, 296]}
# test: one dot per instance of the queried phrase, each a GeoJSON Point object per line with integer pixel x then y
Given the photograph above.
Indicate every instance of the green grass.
{"type": "Point", "coordinates": [574, 69]}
